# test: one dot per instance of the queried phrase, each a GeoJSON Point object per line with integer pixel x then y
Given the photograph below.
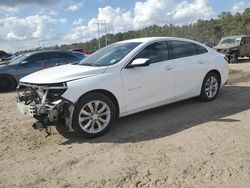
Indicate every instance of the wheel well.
{"type": "Point", "coordinates": [108, 94]}
{"type": "Point", "coordinates": [9, 76]}
{"type": "Point", "coordinates": [234, 52]}
{"type": "Point", "coordinates": [216, 72]}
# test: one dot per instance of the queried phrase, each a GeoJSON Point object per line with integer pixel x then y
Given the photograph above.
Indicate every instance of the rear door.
{"type": "Point", "coordinates": [246, 48]}
{"type": "Point", "coordinates": [243, 47]}
{"type": "Point", "coordinates": [59, 58]}
{"type": "Point", "coordinates": [191, 66]}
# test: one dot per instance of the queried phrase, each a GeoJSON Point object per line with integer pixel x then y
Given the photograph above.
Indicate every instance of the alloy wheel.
{"type": "Point", "coordinates": [94, 116]}
{"type": "Point", "coordinates": [211, 87]}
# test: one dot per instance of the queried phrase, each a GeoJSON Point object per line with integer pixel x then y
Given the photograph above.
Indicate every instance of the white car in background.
{"type": "Point", "coordinates": [121, 79]}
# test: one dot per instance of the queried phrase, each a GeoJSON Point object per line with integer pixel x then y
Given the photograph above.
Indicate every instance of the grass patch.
{"type": "Point", "coordinates": [238, 76]}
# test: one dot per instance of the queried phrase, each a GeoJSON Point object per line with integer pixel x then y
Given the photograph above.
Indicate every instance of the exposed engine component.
{"type": "Point", "coordinates": [44, 103]}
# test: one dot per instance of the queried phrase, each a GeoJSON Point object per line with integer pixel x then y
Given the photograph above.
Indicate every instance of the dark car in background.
{"type": "Point", "coordinates": [80, 55]}
{"type": "Point", "coordinates": [209, 44]}
{"type": "Point", "coordinates": [82, 51]}
{"type": "Point", "coordinates": [22, 65]}
{"type": "Point", "coordinates": [6, 56]}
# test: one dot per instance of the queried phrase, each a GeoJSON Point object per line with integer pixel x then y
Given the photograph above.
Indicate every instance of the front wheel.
{"type": "Point", "coordinates": [234, 58]}
{"type": "Point", "coordinates": [210, 87]}
{"type": "Point", "coordinates": [94, 115]}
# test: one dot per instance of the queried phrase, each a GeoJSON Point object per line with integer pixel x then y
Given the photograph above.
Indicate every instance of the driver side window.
{"type": "Point", "coordinates": [156, 52]}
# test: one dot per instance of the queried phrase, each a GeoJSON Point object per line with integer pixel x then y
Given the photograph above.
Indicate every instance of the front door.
{"type": "Point", "coordinates": [32, 64]}
{"type": "Point", "coordinates": [145, 87]}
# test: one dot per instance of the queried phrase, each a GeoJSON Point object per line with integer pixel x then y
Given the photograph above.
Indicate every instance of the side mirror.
{"type": "Point", "coordinates": [24, 62]}
{"type": "Point", "coordinates": [140, 62]}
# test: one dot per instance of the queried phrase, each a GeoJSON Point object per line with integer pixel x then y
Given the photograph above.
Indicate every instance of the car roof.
{"type": "Point", "coordinates": [46, 51]}
{"type": "Point", "coordinates": [239, 36]}
{"type": "Point", "coordinates": [152, 39]}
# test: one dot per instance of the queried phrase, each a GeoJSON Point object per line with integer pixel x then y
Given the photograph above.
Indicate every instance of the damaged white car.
{"type": "Point", "coordinates": [121, 79]}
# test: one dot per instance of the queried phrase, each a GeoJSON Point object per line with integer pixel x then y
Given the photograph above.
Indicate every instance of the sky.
{"type": "Point", "coordinates": [27, 24]}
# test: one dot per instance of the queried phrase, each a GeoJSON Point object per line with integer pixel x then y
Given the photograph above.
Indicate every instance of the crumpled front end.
{"type": "Point", "coordinates": [226, 49]}
{"type": "Point", "coordinates": [45, 104]}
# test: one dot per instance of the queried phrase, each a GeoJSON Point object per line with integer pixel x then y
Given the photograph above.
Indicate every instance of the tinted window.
{"type": "Point", "coordinates": [35, 59]}
{"type": "Point", "coordinates": [155, 52]}
{"type": "Point", "coordinates": [80, 56]}
{"type": "Point", "coordinates": [54, 58]}
{"type": "Point", "coordinates": [200, 49]}
{"type": "Point", "coordinates": [183, 49]}
{"type": "Point", "coordinates": [2, 53]}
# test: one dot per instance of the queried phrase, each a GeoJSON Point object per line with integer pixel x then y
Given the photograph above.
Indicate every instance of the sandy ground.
{"type": "Point", "coordinates": [186, 144]}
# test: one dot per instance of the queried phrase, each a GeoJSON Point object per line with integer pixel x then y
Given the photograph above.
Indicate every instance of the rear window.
{"type": "Point", "coordinates": [201, 49]}
{"type": "Point", "coordinates": [183, 49]}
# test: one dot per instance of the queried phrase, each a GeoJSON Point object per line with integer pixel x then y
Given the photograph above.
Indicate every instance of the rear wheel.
{"type": "Point", "coordinates": [94, 115]}
{"type": "Point", "coordinates": [210, 87]}
{"type": "Point", "coordinates": [7, 83]}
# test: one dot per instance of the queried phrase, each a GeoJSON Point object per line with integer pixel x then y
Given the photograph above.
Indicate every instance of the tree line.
{"type": "Point", "coordinates": [212, 30]}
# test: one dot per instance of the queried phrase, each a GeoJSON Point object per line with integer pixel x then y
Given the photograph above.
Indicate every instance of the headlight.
{"type": "Point", "coordinates": [51, 92]}
{"type": "Point", "coordinates": [55, 91]}
{"type": "Point", "coordinates": [55, 94]}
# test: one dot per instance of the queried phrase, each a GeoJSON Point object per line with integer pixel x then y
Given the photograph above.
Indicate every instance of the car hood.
{"type": "Point", "coordinates": [62, 73]}
{"type": "Point", "coordinates": [224, 47]}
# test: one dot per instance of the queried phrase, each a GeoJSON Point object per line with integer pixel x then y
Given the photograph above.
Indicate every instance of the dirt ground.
{"type": "Point", "coordinates": [186, 144]}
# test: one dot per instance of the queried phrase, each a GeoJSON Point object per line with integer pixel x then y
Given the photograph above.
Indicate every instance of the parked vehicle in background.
{"type": "Point", "coordinates": [11, 71]}
{"type": "Point", "coordinates": [209, 44]}
{"type": "Point", "coordinates": [234, 47]}
{"type": "Point", "coordinates": [121, 79]}
{"type": "Point", "coordinates": [80, 55]}
{"type": "Point", "coordinates": [6, 56]}
{"type": "Point", "coordinates": [82, 51]}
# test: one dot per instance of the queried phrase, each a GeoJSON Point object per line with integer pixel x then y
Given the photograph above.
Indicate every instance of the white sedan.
{"type": "Point", "coordinates": [121, 79]}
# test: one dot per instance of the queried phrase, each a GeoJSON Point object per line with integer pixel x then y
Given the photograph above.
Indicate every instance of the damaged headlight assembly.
{"type": "Point", "coordinates": [44, 103]}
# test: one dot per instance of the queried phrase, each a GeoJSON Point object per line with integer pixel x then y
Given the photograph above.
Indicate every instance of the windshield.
{"type": "Point", "coordinates": [110, 55]}
{"type": "Point", "coordinates": [18, 59]}
{"type": "Point", "coordinates": [234, 41]}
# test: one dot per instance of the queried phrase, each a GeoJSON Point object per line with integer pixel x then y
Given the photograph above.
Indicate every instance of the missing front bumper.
{"type": "Point", "coordinates": [59, 112]}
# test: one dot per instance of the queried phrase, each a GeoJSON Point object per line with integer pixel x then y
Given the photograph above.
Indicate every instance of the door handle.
{"type": "Point", "coordinates": [169, 67]}
{"type": "Point", "coordinates": [201, 62]}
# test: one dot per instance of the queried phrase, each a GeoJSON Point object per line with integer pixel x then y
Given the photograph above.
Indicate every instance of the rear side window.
{"type": "Point", "coordinates": [35, 59]}
{"type": "Point", "coordinates": [60, 57]}
{"type": "Point", "coordinates": [183, 49]}
{"type": "Point", "coordinates": [156, 52]}
{"type": "Point", "coordinates": [200, 49]}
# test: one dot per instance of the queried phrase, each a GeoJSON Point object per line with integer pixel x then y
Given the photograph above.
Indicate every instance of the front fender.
{"type": "Point", "coordinates": [232, 51]}
{"type": "Point", "coordinates": [105, 81]}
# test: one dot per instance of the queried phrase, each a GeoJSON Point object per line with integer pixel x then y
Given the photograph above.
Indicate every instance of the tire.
{"type": "Point", "coordinates": [7, 83]}
{"type": "Point", "coordinates": [210, 87]}
{"type": "Point", "coordinates": [234, 58]}
{"type": "Point", "coordinates": [93, 116]}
